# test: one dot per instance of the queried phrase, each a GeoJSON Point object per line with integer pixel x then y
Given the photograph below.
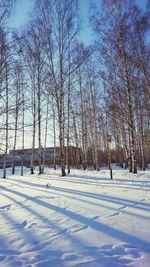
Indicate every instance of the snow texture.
{"type": "Point", "coordinates": [83, 219]}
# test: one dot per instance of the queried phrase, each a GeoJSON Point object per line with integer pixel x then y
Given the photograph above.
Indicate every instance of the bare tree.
{"type": "Point", "coordinates": [59, 19]}
{"type": "Point", "coordinates": [17, 106]}
{"type": "Point", "coordinates": [117, 42]}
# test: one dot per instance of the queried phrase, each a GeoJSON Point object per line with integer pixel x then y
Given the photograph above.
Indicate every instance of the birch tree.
{"type": "Point", "coordinates": [59, 22]}
{"type": "Point", "coordinates": [116, 29]}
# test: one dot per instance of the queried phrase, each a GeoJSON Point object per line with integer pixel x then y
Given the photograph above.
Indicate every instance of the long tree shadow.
{"type": "Point", "coordinates": [116, 200]}
{"type": "Point", "coordinates": [25, 184]}
{"type": "Point", "coordinates": [40, 245]}
{"type": "Point", "coordinates": [130, 203]}
{"type": "Point", "coordinates": [92, 196]}
{"type": "Point", "coordinates": [99, 204]}
{"type": "Point", "coordinates": [121, 180]}
{"type": "Point", "coordinates": [92, 180]}
{"type": "Point", "coordinates": [117, 234]}
{"type": "Point", "coordinates": [52, 256]}
{"type": "Point", "coordinates": [17, 228]}
{"type": "Point", "coordinates": [108, 184]}
{"type": "Point", "coordinates": [89, 179]}
{"type": "Point", "coordinates": [111, 184]}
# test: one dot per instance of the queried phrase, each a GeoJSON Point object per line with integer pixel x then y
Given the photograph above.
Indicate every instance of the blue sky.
{"type": "Point", "coordinates": [20, 12]}
{"type": "Point", "coordinates": [23, 7]}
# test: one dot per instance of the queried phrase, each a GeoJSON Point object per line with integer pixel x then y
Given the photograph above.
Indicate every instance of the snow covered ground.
{"type": "Point", "coordinates": [83, 219]}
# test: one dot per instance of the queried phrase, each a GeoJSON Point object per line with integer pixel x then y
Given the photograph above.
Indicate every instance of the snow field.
{"type": "Point", "coordinates": [83, 219]}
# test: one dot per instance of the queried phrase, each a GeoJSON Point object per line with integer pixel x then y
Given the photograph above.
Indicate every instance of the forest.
{"type": "Point", "coordinates": [56, 91]}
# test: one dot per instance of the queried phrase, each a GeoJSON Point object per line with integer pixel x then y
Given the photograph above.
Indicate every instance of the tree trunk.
{"type": "Point", "coordinates": [34, 131]}
{"type": "Point", "coordinates": [16, 128]}
{"type": "Point", "coordinates": [45, 141]}
{"type": "Point", "coordinates": [6, 119]}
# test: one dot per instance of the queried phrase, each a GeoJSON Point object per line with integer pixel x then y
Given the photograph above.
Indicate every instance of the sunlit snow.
{"type": "Point", "coordinates": [83, 219]}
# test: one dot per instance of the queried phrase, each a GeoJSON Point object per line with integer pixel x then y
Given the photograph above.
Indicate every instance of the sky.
{"type": "Point", "coordinates": [23, 7]}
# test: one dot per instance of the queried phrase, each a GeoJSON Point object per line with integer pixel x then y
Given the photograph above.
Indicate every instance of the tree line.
{"type": "Point", "coordinates": [54, 87]}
